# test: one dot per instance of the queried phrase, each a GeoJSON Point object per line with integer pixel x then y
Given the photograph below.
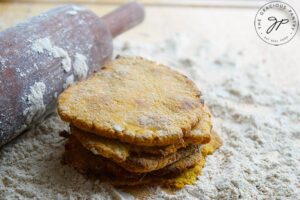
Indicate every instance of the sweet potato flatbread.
{"type": "Point", "coordinates": [176, 175]}
{"type": "Point", "coordinates": [85, 161]}
{"type": "Point", "coordinates": [134, 100]}
{"type": "Point", "coordinates": [120, 151]}
{"type": "Point", "coordinates": [189, 176]}
{"type": "Point", "coordinates": [146, 163]}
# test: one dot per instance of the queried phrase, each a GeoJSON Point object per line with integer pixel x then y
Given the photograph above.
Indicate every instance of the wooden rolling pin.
{"type": "Point", "coordinates": [42, 56]}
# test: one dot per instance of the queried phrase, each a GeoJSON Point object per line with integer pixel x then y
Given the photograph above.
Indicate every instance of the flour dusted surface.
{"type": "Point", "coordinates": [258, 122]}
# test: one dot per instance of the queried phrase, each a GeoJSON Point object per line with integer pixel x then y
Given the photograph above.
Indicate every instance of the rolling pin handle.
{"type": "Point", "coordinates": [124, 18]}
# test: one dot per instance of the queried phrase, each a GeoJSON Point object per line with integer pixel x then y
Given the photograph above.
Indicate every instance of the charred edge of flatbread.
{"type": "Point", "coordinates": [86, 162]}
{"type": "Point", "coordinates": [145, 163]}
{"type": "Point", "coordinates": [121, 178]}
{"type": "Point", "coordinates": [90, 140]}
{"type": "Point", "coordinates": [151, 163]}
{"type": "Point", "coordinates": [179, 166]}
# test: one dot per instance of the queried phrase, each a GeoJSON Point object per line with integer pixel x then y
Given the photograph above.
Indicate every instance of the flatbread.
{"type": "Point", "coordinates": [120, 151]}
{"type": "Point", "coordinates": [175, 175]}
{"type": "Point", "coordinates": [89, 162]}
{"type": "Point", "coordinates": [189, 176]}
{"type": "Point", "coordinates": [146, 163]}
{"type": "Point", "coordinates": [134, 100]}
{"type": "Point", "coordinates": [202, 132]}
{"type": "Point", "coordinates": [141, 164]}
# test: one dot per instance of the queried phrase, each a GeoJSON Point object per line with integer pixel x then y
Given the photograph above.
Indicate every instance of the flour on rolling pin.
{"type": "Point", "coordinates": [42, 57]}
{"type": "Point", "coordinates": [36, 101]}
{"type": "Point", "coordinates": [45, 54]}
{"type": "Point", "coordinates": [69, 81]}
{"type": "Point", "coordinates": [40, 45]}
{"type": "Point", "coordinates": [44, 45]}
{"type": "Point", "coordinates": [79, 64]}
{"type": "Point", "coordinates": [80, 67]}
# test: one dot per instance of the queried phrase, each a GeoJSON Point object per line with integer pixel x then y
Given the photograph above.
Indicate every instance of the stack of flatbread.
{"type": "Point", "coordinates": [137, 122]}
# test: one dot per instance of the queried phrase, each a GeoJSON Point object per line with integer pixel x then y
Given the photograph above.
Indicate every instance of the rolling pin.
{"type": "Point", "coordinates": [42, 56]}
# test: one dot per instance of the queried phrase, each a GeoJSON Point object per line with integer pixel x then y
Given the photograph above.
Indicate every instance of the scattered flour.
{"type": "Point", "coordinates": [36, 103]}
{"type": "Point", "coordinates": [42, 44]}
{"type": "Point", "coordinates": [258, 122]}
{"type": "Point", "coordinates": [80, 66]}
{"type": "Point", "coordinates": [118, 128]}
{"type": "Point", "coordinates": [154, 121]}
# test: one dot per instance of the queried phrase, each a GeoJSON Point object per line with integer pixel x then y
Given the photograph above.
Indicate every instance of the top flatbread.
{"type": "Point", "coordinates": [135, 101]}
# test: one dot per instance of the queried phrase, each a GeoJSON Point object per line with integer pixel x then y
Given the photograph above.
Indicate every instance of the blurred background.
{"type": "Point", "coordinates": [222, 22]}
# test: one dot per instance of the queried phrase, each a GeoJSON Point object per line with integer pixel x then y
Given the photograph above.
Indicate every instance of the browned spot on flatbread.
{"type": "Point", "coordinates": [188, 104]}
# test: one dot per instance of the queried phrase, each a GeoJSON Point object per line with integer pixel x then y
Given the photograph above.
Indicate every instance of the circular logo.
{"type": "Point", "coordinates": [276, 23]}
